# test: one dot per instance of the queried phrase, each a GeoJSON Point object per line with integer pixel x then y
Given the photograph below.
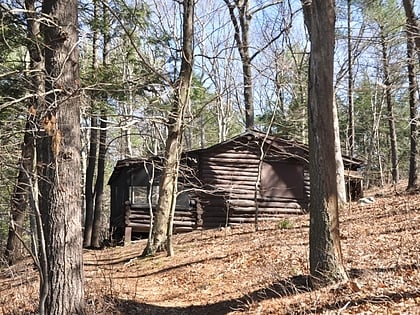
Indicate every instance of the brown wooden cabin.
{"type": "Point", "coordinates": [134, 194]}
{"type": "Point", "coordinates": [221, 185]}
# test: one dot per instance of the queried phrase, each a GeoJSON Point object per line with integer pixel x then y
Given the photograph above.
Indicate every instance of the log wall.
{"type": "Point", "coordinates": [228, 189]}
{"type": "Point", "coordinates": [137, 219]}
{"type": "Point", "coordinates": [230, 175]}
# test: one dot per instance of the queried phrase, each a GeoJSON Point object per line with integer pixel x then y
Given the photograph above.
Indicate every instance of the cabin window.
{"type": "Point", "coordinates": [139, 195]}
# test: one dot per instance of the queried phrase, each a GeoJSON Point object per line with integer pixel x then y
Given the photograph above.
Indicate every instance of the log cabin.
{"type": "Point", "coordinates": [249, 178]}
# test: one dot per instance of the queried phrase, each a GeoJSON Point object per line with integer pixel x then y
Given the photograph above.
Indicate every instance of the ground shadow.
{"type": "Point", "coordinates": [374, 299]}
{"type": "Point", "coordinates": [286, 287]}
{"type": "Point", "coordinates": [182, 265]}
{"type": "Point", "coordinates": [357, 273]}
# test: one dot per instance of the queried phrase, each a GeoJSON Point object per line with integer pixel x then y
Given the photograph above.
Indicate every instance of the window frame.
{"type": "Point", "coordinates": [139, 195]}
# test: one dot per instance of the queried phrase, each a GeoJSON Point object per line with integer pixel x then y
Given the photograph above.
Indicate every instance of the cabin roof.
{"type": "Point", "coordinates": [131, 163]}
{"type": "Point", "coordinates": [284, 146]}
{"type": "Point", "coordinates": [281, 146]}
{"type": "Point", "coordinates": [275, 143]}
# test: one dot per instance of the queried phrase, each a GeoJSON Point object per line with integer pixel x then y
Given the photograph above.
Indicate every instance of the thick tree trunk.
{"type": "Point", "coordinates": [59, 160]}
{"type": "Point", "coordinates": [167, 185]}
{"type": "Point", "coordinates": [390, 108]}
{"type": "Point", "coordinates": [325, 258]}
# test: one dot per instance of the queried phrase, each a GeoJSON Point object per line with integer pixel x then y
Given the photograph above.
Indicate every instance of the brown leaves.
{"type": "Point", "coordinates": [243, 271]}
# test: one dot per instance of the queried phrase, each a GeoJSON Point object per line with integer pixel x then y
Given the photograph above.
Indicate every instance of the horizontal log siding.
{"type": "Point", "coordinates": [232, 174]}
{"type": "Point", "coordinates": [224, 177]}
{"type": "Point", "coordinates": [139, 219]}
{"type": "Point", "coordinates": [307, 185]}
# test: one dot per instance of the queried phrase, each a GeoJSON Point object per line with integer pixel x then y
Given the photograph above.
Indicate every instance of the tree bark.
{"type": "Point", "coordinates": [241, 28]}
{"type": "Point", "coordinates": [99, 185]}
{"type": "Point", "coordinates": [167, 185]}
{"type": "Point", "coordinates": [325, 258]}
{"type": "Point", "coordinates": [20, 197]}
{"type": "Point", "coordinates": [413, 101]}
{"type": "Point", "coordinates": [414, 23]}
{"type": "Point", "coordinates": [413, 48]}
{"type": "Point", "coordinates": [22, 190]}
{"type": "Point", "coordinates": [97, 190]}
{"type": "Point", "coordinates": [341, 182]}
{"type": "Point", "coordinates": [90, 173]}
{"type": "Point", "coordinates": [93, 139]}
{"type": "Point", "coordinates": [59, 160]}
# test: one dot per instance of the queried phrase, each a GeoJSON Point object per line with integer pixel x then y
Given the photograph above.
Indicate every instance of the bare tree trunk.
{"type": "Point", "coordinates": [167, 186]}
{"type": "Point", "coordinates": [413, 100]}
{"type": "Point", "coordinates": [169, 245]}
{"type": "Point", "coordinates": [390, 108]}
{"type": "Point", "coordinates": [99, 185]}
{"type": "Point", "coordinates": [127, 107]}
{"type": "Point", "coordinates": [373, 141]}
{"type": "Point", "coordinates": [351, 131]}
{"type": "Point", "coordinates": [20, 197]}
{"type": "Point", "coordinates": [150, 196]}
{"type": "Point", "coordinates": [41, 258]}
{"type": "Point", "coordinates": [326, 264]}
{"type": "Point", "coordinates": [59, 160]}
{"type": "Point", "coordinates": [414, 23]}
{"type": "Point", "coordinates": [22, 190]}
{"type": "Point", "coordinates": [413, 45]}
{"type": "Point", "coordinates": [341, 183]}
{"type": "Point", "coordinates": [257, 187]}
{"type": "Point", "coordinates": [98, 197]}
{"type": "Point", "coordinates": [241, 27]}
{"type": "Point", "coordinates": [91, 161]}
{"type": "Point", "coordinates": [90, 173]}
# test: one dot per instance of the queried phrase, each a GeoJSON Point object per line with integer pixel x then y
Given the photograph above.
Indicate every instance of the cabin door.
{"type": "Point", "coordinates": [282, 180]}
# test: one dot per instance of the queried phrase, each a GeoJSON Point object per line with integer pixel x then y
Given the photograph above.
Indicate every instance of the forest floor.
{"type": "Point", "coordinates": [243, 271]}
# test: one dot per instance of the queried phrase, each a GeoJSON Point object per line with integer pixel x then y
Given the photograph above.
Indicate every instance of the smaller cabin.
{"type": "Point", "coordinates": [134, 195]}
{"type": "Point", "coordinates": [251, 177]}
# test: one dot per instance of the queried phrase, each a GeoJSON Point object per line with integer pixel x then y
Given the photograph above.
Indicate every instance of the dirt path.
{"type": "Point", "coordinates": [238, 270]}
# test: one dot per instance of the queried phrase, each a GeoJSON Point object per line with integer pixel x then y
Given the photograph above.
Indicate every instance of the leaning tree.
{"type": "Point", "coordinates": [162, 226]}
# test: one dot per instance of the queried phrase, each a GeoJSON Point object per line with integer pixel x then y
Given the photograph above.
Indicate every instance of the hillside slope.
{"type": "Point", "coordinates": [240, 271]}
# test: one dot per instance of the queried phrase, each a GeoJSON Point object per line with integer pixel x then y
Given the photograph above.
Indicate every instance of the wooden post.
{"type": "Point", "coordinates": [127, 235]}
{"type": "Point", "coordinates": [128, 229]}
